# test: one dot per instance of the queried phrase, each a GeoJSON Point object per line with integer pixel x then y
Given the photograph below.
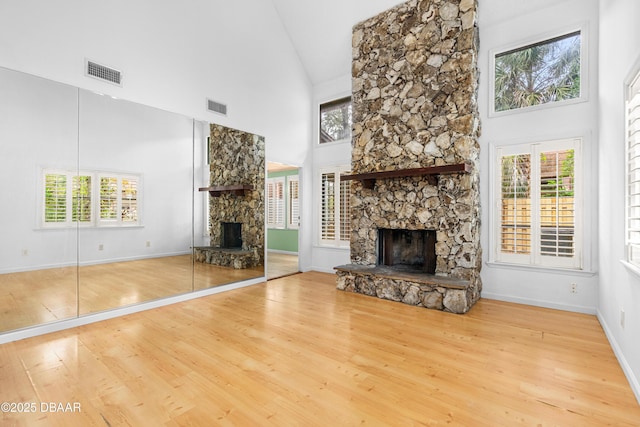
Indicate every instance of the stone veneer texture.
{"type": "Point", "coordinates": [238, 157]}
{"type": "Point", "coordinates": [415, 83]}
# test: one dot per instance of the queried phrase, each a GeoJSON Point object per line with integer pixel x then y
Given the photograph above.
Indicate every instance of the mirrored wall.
{"type": "Point", "coordinates": [101, 204]}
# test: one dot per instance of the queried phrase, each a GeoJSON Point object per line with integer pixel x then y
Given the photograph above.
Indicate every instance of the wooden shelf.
{"type": "Point", "coordinates": [235, 189]}
{"type": "Point", "coordinates": [369, 179]}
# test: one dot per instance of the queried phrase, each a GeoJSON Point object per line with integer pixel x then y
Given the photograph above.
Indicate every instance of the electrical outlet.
{"type": "Point", "coordinates": [25, 252]}
{"type": "Point", "coordinates": [622, 318]}
{"type": "Point", "coordinates": [574, 288]}
{"type": "Point", "coordinates": [148, 244]}
{"type": "Point", "coordinates": [101, 247]}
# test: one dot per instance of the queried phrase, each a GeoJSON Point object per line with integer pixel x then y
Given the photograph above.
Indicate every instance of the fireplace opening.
{"type": "Point", "coordinates": [231, 235]}
{"type": "Point", "coordinates": [409, 250]}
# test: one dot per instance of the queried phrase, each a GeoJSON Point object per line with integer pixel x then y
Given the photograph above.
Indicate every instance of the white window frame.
{"type": "Point", "coordinates": [68, 222]}
{"type": "Point", "coordinates": [293, 205]}
{"type": "Point", "coordinates": [275, 204]}
{"type": "Point", "coordinates": [95, 221]}
{"type": "Point", "coordinates": [332, 100]}
{"type": "Point", "coordinates": [539, 39]}
{"type": "Point", "coordinates": [535, 257]}
{"type": "Point", "coordinates": [336, 241]}
{"type": "Point", "coordinates": [118, 221]}
{"type": "Point", "coordinates": [632, 166]}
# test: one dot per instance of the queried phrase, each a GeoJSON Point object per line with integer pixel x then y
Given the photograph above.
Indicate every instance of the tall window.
{"type": "Point", "coordinates": [539, 73]}
{"type": "Point", "coordinates": [539, 214]}
{"type": "Point", "coordinates": [335, 212]}
{"type": "Point", "coordinates": [336, 120]}
{"type": "Point", "coordinates": [68, 199]}
{"type": "Point", "coordinates": [633, 171]}
{"type": "Point", "coordinates": [293, 197]}
{"type": "Point", "coordinates": [275, 202]}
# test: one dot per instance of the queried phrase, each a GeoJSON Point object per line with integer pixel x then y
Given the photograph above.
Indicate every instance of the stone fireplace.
{"type": "Point", "coordinates": [415, 205]}
{"type": "Point", "coordinates": [236, 202]}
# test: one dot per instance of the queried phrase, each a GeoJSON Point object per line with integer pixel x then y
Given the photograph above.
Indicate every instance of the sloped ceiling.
{"type": "Point", "coordinates": [320, 31]}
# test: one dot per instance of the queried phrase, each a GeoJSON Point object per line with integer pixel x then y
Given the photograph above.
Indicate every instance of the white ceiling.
{"type": "Point", "coordinates": [321, 30]}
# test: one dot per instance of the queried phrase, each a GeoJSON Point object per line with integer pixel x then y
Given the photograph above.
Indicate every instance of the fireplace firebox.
{"type": "Point", "coordinates": [407, 250]}
{"type": "Point", "coordinates": [231, 235]}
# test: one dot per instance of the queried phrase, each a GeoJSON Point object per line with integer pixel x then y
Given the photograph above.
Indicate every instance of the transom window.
{"type": "Point", "coordinates": [539, 210]}
{"type": "Point", "coordinates": [545, 72]}
{"type": "Point", "coordinates": [336, 120]}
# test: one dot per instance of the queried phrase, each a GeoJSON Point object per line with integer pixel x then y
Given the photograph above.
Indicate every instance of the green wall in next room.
{"type": "Point", "coordinates": [282, 239]}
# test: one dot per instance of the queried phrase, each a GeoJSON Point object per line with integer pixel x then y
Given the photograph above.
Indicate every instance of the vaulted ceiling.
{"type": "Point", "coordinates": [321, 30]}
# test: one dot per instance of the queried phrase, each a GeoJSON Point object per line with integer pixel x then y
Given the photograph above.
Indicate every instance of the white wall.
{"type": "Point", "coordinates": [525, 285]}
{"type": "Point", "coordinates": [324, 258]}
{"type": "Point", "coordinates": [619, 287]}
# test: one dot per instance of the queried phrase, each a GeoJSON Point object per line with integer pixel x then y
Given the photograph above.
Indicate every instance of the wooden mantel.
{"type": "Point", "coordinates": [369, 178]}
{"type": "Point", "coordinates": [235, 189]}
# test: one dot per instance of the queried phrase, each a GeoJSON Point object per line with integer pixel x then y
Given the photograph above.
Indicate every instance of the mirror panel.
{"type": "Point", "coordinates": [38, 155]}
{"type": "Point", "coordinates": [234, 243]}
{"type": "Point", "coordinates": [139, 245]}
{"type": "Point", "coordinates": [101, 207]}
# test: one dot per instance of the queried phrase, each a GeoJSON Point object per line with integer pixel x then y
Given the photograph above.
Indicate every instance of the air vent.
{"type": "Point", "coordinates": [216, 107]}
{"type": "Point", "coordinates": [101, 72]}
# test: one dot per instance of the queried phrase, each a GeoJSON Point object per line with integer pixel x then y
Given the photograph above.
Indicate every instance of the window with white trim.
{"type": "Point", "coordinates": [336, 120]}
{"type": "Point", "coordinates": [538, 215]}
{"type": "Point", "coordinates": [335, 211]}
{"type": "Point", "coordinates": [118, 200]}
{"type": "Point", "coordinates": [275, 202]}
{"type": "Point", "coordinates": [293, 198]}
{"type": "Point", "coordinates": [68, 199]}
{"type": "Point", "coordinates": [633, 170]}
{"type": "Point", "coordinates": [544, 72]}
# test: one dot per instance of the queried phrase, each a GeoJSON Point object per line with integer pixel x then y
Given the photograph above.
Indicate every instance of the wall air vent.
{"type": "Point", "coordinates": [98, 71]}
{"type": "Point", "coordinates": [216, 107]}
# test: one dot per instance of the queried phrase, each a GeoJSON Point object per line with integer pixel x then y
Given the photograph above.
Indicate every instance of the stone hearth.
{"type": "Point", "coordinates": [415, 106]}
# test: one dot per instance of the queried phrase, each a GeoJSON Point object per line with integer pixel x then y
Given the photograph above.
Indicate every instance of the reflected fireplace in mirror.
{"type": "Point", "coordinates": [231, 235]}
{"type": "Point", "coordinates": [407, 250]}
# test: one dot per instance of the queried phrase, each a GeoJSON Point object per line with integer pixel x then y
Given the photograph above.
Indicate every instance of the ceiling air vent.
{"type": "Point", "coordinates": [101, 72]}
{"type": "Point", "coordinates": [216, 107]}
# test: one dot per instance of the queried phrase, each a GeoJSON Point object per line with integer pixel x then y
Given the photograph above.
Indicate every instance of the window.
{"type": "Point", "coordinates": [633, 170]}
{"type": "Point", "coordinates": [68, 199]}
{"type": "Point", "coordinates": [539, 198]}
{"type": "Point", "coordinates": [336, 120]}
{"type": "Point", "coordinates": [541, 73]}
{"type": "Point", "coordinates": [275, 202]}
{"type": "Point", "coordinates": [335, 215]}
{"type": "Point", "coordinates": [118, 199]}
{"type": "Point", "coordinates": [293, 197]}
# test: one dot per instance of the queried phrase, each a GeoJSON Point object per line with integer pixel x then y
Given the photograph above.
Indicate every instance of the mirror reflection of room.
{"type": "Point", "coordinates": [104, 208]}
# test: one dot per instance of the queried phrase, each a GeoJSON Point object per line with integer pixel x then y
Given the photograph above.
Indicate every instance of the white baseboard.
{"type": "Point", "coordinates": [539, 303]}
{"type": "Point", "coordinates": [277, 251]}
{"type": "Point", "coordinates": [634, 382]}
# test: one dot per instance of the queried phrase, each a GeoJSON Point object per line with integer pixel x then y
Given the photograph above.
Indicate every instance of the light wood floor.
{"type": "Point", "coordinates": [297, 352]}
{"type": "Point", "coordinates": [280, 265]}
{"type": "Point", "coordinates": [41, 296]}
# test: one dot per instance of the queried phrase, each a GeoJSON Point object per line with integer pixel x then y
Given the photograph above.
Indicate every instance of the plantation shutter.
{"type": "Point", "coordinates": [293, 183]}
{"type": "Point", "coordinates": [81, 198]}
{"type": "Point", "coordinates": [129, 200]}
{"type": "Point", "coordinates": [275, 203]}
{"type": "Point", "coordinates": [537, 214]}
{"type": "Point", "coordinates": [328, 202]}
{"type": "Point", "coordinates": [55, 198]}
{"type": "Point", "coordinates": [633, 173]}
{"type": "Point", "coordinates": [108, 198]}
